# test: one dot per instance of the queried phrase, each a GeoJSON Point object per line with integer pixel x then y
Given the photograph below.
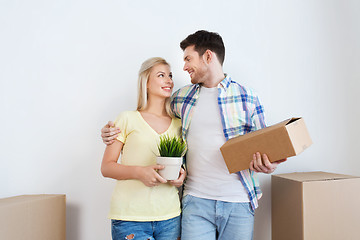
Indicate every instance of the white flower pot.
{"type": "Point", "coordinates": [172, 167]}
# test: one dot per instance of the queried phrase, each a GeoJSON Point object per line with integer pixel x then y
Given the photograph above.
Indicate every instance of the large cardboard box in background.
{"type": "Point", "coordinates": [33, 217]}
{"type": "Point", "coordinates": [285, 139]}
{"type": "Point", "coordinates": [315, 206]}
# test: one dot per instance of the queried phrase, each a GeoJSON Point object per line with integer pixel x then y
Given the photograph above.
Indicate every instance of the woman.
{"type": "Point", "coordinates": [143, 204]}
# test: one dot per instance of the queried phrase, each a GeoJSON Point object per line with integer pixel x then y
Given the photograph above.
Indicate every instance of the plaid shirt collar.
{"type": "Point", "coordinates": [225, 83]}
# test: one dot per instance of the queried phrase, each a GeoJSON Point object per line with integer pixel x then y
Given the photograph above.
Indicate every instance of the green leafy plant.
{"type": "Point", "coordinates": [171, 146]}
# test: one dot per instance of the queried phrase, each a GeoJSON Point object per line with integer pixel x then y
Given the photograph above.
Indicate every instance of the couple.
{"type": "Point", "coordinates": [213, 109]}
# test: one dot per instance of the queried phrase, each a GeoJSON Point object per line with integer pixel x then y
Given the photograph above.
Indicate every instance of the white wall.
{"type": "Point", "coordinates": [67, 67]}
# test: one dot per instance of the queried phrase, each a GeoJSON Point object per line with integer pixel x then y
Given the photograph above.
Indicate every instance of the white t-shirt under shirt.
{"type": "Point", "coordinates": [208, 176]}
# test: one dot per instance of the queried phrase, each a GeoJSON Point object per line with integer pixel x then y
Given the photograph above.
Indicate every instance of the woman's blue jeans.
{"type": "Point", "coordinates": [155, 230]}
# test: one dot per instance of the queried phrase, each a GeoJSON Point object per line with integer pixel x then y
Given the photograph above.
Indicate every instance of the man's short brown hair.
{"type": "Point", "coordinates": [203, 40]}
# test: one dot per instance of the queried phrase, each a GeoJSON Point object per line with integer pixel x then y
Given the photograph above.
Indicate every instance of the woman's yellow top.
{"type": "Point", "coordinates": [131, 199]}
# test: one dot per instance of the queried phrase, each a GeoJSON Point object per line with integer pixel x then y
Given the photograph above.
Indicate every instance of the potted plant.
{"type": "Point", "coordinates": [171, 151]}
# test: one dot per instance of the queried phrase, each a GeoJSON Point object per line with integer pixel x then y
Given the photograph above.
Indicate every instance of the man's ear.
{"type": "Point", "coordinates": [208, 56]}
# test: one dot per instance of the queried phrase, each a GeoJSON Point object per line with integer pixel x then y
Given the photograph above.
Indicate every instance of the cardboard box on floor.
{"type": "Point", "coordinates": [315, 206]}
{"type": "Point", "coordinates": [285, 139]}
{"type": "Point", "coordinates": [33, 217]}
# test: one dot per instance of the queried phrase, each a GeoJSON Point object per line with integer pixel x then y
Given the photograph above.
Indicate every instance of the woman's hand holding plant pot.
{"type": "Point", "coordinates": [180, 181]}
{"type": "Point", "coordinates": [149, 176]}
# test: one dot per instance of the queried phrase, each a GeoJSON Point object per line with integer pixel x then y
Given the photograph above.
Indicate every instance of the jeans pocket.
{"type": "Point", "coordinates": [185, 201]}
{"type": "Point", "coordinates": [248, 208]}
{"type": "Point", "coordinates": [115, 222]}
{"type": "Point", "coordinates": [251, 210]}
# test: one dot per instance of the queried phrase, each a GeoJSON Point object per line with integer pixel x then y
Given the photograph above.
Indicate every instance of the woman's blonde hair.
{"type": "Point", "coordinates": [144, 74]}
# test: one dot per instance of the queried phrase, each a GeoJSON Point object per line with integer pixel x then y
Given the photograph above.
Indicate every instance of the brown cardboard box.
{"type": "Point", "coordinates": [279, 141]}
{"type": "Point", "coordinates": [33, 217]}
{"type": "Point", "coordinates": [315, 206]}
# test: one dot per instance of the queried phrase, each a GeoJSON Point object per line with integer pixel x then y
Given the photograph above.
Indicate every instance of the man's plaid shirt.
{"type": "Point", "coordinates": [241, 113]}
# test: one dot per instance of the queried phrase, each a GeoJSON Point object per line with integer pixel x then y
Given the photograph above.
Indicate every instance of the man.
{"type": "Point", "coordinates": [216, 204]}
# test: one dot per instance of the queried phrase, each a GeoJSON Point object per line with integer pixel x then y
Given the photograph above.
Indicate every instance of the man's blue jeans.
{"type": "Point", "coordinates": [205, 219]}
{"type": "Point", "coordinates": [159, 230]}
